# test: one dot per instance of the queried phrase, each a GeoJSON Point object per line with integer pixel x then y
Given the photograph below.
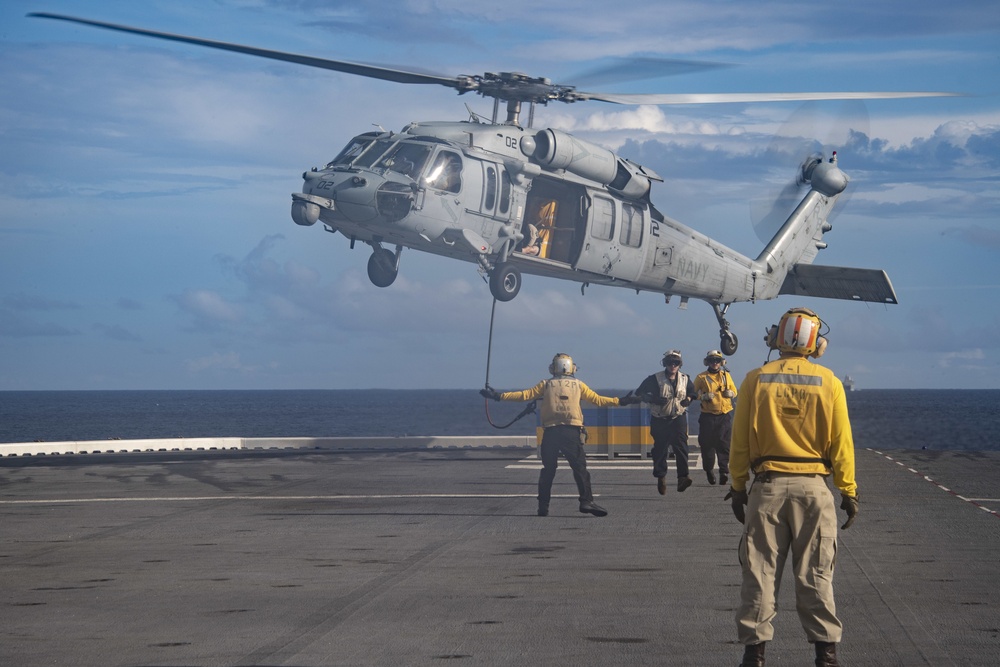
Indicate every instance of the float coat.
{"type": "Point", "coordinates": [560, 400]}
{"type": "Point", "coordinates": [673, 407]}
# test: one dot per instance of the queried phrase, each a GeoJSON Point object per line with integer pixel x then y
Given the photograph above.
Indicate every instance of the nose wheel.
{"type": "Point", "coordinates": [727, 339]}
{"type": "Point", "coordinates": [383, 267]}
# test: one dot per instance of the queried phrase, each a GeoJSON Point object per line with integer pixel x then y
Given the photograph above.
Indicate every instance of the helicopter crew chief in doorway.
{"type": "Point", "coordinates": [716, 391]}
{"type": "Point", "coordinates": [562, 424]}
{"type": "Point", "coordinates": [669, 393]}
{"type": "Point", "coordinates": [791, 429]}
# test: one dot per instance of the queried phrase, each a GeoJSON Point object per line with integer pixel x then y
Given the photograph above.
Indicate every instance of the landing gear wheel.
{"type": "Point", "coordinates": [728, 343]}
{"type": "Point", "coordinates": [505, 282]}
{"type": "Point", "coordinates": [382, 268]}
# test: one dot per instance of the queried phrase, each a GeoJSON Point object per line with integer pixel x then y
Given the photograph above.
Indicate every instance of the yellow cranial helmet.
{"type": "Point", "coordinates": [713, 355]}
{"type": "Point", "coordinates": [798, 333]}
{"type": "Point", "coordinates": [562, 364]}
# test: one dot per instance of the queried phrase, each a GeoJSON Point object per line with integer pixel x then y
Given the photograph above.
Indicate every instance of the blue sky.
{"type": "Point", "coordinates": [146, 242]}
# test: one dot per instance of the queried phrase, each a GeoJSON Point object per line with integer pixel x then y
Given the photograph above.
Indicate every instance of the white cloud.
{"type": "Point", "coordinates": [208, 308]}
{"type": "Point", "coordinates": [217, 361]}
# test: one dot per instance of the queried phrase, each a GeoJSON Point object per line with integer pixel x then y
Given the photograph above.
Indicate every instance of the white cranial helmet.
{"type": "Point", "coordinates": [562, 364]}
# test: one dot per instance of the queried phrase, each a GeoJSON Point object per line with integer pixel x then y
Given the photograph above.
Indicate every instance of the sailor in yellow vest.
{"type": "Point", "coordinates": [669, 393]}
{"type": "Point", "coordinates": [791, 430]}
{"type": "Point", "coordinates": [716, 391]}
{"type": "Point", "coordinates": [563, 432]}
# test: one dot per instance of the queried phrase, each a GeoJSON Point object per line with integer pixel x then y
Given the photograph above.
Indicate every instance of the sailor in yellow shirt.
{"type": "Point", "coordinates": [716, 390]}
{"type": "Point", "coordinates": [791, 429]}
{"type": "Point", "coordinates": [563, 432]}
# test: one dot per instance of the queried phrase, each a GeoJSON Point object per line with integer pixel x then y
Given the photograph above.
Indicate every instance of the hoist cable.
{"type": "Point", "coordinates": [489, 354]}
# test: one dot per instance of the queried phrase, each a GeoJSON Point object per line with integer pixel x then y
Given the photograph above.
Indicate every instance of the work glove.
{"type": "Point", "coordinates": [686, 402]}
{"type": "Point", "coordinates": [739, 500]}
{"type": "Point", "coordinates": [850, 505]}
{"type": "Point", "coordinates": [729, 393]}
{"type": "Point", "coordinates": [653, 399]}
{"type": "Point", "coordinates": [708, 396]}
{"type": "Point", "coordinates": [629, 399]}
{"type": "Point", "coordinates": [490, 392]}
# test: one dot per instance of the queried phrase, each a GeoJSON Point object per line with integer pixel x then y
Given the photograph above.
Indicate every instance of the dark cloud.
{"type": "Point", "coordinates": [29, 302]}
{"type": "Point", "coordinates": [15, 325]}
{"type": "Point", "coordinates": [117, 332]}
{"type": "Point", "coordinates": [976, 235]}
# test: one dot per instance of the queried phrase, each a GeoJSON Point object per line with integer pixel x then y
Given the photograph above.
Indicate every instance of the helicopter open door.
{"type": "Point", "coordinates": [613, 243]}
{"type": "Point", "coordinates": [554, 210]}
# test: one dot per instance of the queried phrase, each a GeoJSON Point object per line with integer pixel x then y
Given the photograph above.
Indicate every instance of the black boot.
{"type": "Point", "coordinates": [590, 507]}
{"type": "Point", "coordinates": [753, 655]}
{"type": "Point", "coordinates": [543, 508]}
{"type": "Point", "coordinates": [826, 654]}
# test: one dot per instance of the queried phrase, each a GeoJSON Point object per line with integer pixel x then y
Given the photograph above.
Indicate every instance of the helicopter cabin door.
{"type": "Point", "coordinates": [613, 244]}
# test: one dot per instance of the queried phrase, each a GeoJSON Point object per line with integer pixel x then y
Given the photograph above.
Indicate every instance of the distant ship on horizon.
{"type": "Point", "coordinates": [848, 383]}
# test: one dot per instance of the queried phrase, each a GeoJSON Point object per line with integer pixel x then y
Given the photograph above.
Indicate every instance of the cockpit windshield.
{"type": "Point", "coordinates": [406, 158]}
{"type": "Point", "coordinates": [355, 148]}
{"type": "Point", "coordinates": [374, 151]}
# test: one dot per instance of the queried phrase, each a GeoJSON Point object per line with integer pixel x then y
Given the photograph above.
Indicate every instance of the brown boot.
{"type": "Point", "coordinates": [753, 655]}
{"type": "Point", "coordinates": [826, 654]}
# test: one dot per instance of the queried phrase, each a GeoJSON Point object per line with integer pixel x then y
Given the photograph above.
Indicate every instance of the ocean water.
{"type": "Point", "coordinates": [881, 418]}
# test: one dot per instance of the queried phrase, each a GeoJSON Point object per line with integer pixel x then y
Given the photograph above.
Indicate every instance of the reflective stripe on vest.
{"type": "Point", "coordinates": [791, 378]}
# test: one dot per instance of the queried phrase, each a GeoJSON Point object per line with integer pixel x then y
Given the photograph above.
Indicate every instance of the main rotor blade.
{"type": "Point", "coordinates": [729, 98]}
{"type": "Point", "coordinates": [505, 86]}
{"type": "Point", "coordinates": [371, 71]}
{"type": "Point", "coordinates": [641, 68]}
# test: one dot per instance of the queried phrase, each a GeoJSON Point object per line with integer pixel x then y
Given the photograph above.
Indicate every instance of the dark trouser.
{"type": "Point", "coordinates": [714, 434]}
{"type": "Point", "coordinates": [669, 434]}
{"type": "Point", "coordinates": [568, 441]}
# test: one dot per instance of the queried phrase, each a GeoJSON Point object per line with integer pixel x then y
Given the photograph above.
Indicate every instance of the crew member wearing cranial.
{"type": "Point", "coordinates": [792, 431]}
{"type": "Point", "coordinates": [716, 392]}
{"type": "Point", "coordinates": [669, 393]}
{"type": "Point", "coordinates": [562, 424]}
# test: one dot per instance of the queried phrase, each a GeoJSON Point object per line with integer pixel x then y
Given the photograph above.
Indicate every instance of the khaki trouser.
{"type": "Point", "coordinates": [788, 513]}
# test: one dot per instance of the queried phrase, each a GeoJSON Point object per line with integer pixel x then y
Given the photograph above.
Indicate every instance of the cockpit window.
{"type": "Point", "coordinates": [406, 158]}
{"type": "Point", "coordinates": [446, 172]}
{"type": "Point", "coordinates": [351, 151]}
{"type": "Point", "coordinates": [373, 152]}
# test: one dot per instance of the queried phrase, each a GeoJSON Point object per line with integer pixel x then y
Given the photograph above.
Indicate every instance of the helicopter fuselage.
{"type": "Point", "coordinates": [542, 201]}
{"type": "Point", "coordinates": [549, 204]}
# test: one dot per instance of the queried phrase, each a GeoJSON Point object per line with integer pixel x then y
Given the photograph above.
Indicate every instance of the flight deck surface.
{"type": "Point", "coordinates": [435, 556]}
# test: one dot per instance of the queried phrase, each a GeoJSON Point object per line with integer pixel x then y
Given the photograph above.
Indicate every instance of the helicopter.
{"type": "Point", "coordinates": [517, 200]}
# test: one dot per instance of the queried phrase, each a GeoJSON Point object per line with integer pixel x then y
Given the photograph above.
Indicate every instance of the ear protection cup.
{"type": "Point", "coordinates": [771, 337]}
{"type": "Point", "coordinates": [820, 348]}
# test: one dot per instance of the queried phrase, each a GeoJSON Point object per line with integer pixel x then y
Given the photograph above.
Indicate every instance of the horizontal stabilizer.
{"type": "Point", "coordinates": [839, 282]}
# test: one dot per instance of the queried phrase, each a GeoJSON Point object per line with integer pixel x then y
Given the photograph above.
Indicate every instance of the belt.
{"type": "Point", "coordinates": [766, 475]}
